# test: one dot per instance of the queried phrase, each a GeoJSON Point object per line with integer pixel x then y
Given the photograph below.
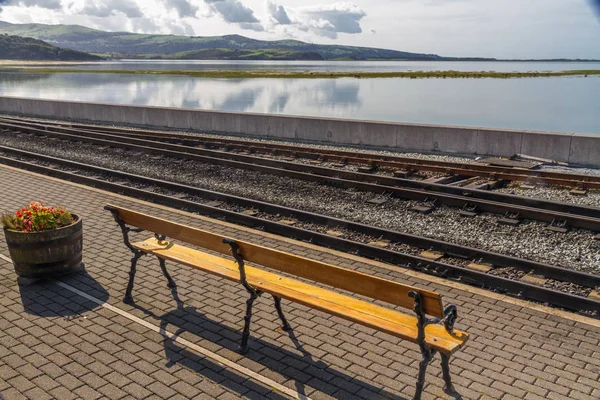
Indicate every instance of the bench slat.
{"type": "Point", "coordinates": [363, 312]}
{"type": "Point", "coordinates": [341, 278]}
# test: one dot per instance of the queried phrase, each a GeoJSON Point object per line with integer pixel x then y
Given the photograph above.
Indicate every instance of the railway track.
{"type": "Point", "coordinates": [450, 261]}
{"type": "Point", "coordinates": [402, 166]}
{"type": "Point", "coordinates": [469, 202]}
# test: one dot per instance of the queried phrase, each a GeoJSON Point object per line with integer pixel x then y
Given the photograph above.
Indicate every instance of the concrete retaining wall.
{"type": "Point", "coordinates": [566, 147]}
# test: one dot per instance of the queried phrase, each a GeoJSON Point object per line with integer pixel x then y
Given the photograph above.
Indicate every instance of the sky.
{"type": "Point", "coordinates": [462, 28]}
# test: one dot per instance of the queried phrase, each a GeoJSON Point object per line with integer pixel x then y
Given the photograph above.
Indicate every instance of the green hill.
{"type": "Point", "coordinates": [234, 54]}
{"type": "Point", "coordinates": [89, 40]}
{"type": "Point", "coordinates": [22, 48]}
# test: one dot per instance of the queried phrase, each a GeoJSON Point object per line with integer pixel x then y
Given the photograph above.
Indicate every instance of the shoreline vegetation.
{"type": "Point", "coordinates": [314, 75]}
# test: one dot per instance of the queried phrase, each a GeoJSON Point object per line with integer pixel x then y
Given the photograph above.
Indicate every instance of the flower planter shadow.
{"type": "Point", "coordinates": [48, 299]}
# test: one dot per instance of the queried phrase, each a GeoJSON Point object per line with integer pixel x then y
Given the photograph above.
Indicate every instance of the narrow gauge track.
{"type": "Point", "coordinates": [404, 164]}
{"type": "Point", "coordinates": [197, 201]}
{"type": "Point", "coordinates": [561, 215]}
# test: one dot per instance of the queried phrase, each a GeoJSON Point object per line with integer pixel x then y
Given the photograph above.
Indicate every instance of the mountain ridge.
{"type": "Point", "coordinates": [81, 38]}
{"type": "Point", "coordinates": [225, 47]}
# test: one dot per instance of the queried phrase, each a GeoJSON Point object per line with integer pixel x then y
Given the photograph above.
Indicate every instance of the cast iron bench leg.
{"type": "Point", "coordinates": [163, 267]}
{"type": "Point", "coordinates": [243, 349]}
{"type": "Point", "coordinates": [284, 323]}
{"type": "Point", "coordinates": [128, 299]}
{"type": "Point", "coordinates": [449, 389]}
{"type": "Point", "coordinates": [427, 356]}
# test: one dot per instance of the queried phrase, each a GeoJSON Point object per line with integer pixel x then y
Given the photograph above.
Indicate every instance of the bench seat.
{"type": "Point", "coordinates": [363, 312]}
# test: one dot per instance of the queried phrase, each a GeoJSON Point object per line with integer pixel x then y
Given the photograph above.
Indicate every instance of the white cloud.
{"type": "Point", "coordinates": [107, 8]}
{"type": "Point", "coordinates": [252, 26]}
{"type": "Point", "coordinates": [329, 20]}
{"type": "Point", "coordinates": [49, 4]}
{"type": "Point", "coordinates": [324, 20]}
{"type": "Point", "coordinates": [278, 13]}
{"type": "Point", "coordinates": [491, 28]}
{"type": "Point", "coordinates": [184, 8]}
{"type": "Point", "coordinates": [233, 11]}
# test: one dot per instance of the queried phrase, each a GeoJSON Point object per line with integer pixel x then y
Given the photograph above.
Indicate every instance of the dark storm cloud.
{"type": "Point", "coordinates": [233, 11]}
{"type": "Point", "coordinates": [596, 6]}
{"type": "Point", "coordinates": [106, 8]}
{"type": "Point", "coordinates": [278, 13]}
{"type": "Point", "coordinates": [184, 7]}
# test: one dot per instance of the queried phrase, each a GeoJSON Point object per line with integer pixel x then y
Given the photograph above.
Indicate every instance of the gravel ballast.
{"type": "Point", "coordinates": [576, 249]}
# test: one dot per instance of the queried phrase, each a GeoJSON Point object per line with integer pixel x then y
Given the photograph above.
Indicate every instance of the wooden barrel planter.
{"type": "Point", "coordinates": [46, 254]}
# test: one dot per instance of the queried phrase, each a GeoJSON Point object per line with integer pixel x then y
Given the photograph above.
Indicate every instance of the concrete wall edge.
{"type": "Point", "coordinates": [576, 148]}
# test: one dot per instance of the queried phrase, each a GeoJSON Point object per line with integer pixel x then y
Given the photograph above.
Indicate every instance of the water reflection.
{"type": "Point", "coordinates": [242, 100]}
{"type": "Point", "coordinates": [564, 104]}
{"type": "Point", "coordinates": [250, 95]}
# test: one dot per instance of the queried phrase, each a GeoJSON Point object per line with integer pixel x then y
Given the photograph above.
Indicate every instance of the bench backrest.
{"type": "Point", "coordinates": [341, 278]}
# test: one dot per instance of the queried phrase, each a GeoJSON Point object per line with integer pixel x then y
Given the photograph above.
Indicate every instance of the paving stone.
{"type": "Point", "coordinates": [87, 392]}
{"type": "Point", "coordinates": [62, 393]}
{"type": "Point", "coordinates": [69, 381]}
{"type": "Point", "coordinates": [185, 389]}
{"type": "Point", "coordinates": [21, 383]}
{"type": "Point", "coordinates": [328, 357]}
{"type": "Point", "coordinates": [163, 391]}
{"type": "Point", "coordinates": [112, 392]}
{"type": "Point", "coordinates": [29, 371]}
{"type": "Point", "coordinates": [93, 380]}
{"type": "Point", "coordinates": [136, 391]}
{"type": "Point", "coordinates": [37, 394]}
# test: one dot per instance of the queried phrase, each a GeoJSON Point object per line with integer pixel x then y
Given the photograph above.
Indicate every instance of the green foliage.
{"type": "Point", "coordinates": [21, 48]}
{"type": "Point", "coordinates": [9, 221]}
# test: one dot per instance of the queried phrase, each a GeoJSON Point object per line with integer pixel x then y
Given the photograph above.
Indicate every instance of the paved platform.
{"type": "Point", "coordinates": [75, 338]}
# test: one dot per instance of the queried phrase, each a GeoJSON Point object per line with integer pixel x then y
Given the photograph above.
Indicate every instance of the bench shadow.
{"type": "Point", "coordinates": [175, 353]}
{"type": "Point", "coordinates": [46, 299]}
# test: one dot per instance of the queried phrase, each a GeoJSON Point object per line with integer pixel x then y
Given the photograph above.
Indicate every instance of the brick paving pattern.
{"type": "Point", "coordinates": [56, 344]}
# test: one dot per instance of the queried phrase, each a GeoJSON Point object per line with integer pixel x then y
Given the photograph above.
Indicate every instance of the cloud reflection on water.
{"type": "Point", "coordinates": [567, 104]}
{"type": "Point", "coordinates": [246, 95]}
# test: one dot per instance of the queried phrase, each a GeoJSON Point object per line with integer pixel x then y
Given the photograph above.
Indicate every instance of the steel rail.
{"type": "Point", "coordinates": [519, 288]}
{"type": "Point", "coordinates": [576, 216]}
{"type": "Point", "coordinates": [493, 172]}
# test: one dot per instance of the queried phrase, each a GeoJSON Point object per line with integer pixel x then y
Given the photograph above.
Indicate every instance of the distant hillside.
{"type": "Point", "coordinates": [22, 48]}
{"type": "Point", "coordinates": [123, 43]}
{"type": "Point", "coordinates": [234, 54]}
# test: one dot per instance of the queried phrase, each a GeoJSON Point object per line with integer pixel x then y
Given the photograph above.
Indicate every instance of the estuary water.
{"type": "Point", "coordinates": [338, 66]}
{"type": "Point", "coordinates": [561, 104]}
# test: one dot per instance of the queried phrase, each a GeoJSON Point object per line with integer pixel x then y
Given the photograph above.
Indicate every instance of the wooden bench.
{"type": "Point", "coordinates": [433, 335]}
